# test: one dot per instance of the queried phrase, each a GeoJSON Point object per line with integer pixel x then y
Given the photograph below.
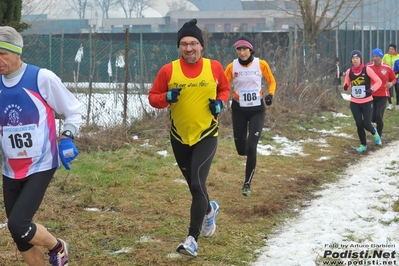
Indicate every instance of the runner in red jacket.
{"type": "Point", "coordinates": [381, 95]}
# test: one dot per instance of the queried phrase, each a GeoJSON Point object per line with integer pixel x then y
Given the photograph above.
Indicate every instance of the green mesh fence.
{"type": "Point", "coordinates": [94, 70]}
{"type": "Point", "coordinates": [99, 57]}
{"type": "Point", "coordinates": [144, 59]}
{"type": "Point", "coordinates": [93, 66]}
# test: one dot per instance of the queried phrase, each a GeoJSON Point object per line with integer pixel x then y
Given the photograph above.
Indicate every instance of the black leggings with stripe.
{"type": "Point", "coordinates": [194, 163]}
{"type": "Point", "coordinates": [379, 105]}
{"type": "Point", "coordinates": [247, 130]}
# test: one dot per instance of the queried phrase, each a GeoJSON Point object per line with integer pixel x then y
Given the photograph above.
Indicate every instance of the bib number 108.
{"type": "Point", "coordinates": [248, 97]}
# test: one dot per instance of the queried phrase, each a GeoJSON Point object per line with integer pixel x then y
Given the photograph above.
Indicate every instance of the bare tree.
{"type": "Point", "coordinates": [134, 6]}
{"type": "Point", "coordinates": [106, 6]}
{"type": "Point", "coordinates": [318, 16]}
{"type": "Point", "coordinates": [179, 5]}
{"type": "Point", "coordinates": [321, 15]}
{"type": "Point", "coordinates": [79, 6]}
{"type": "Point", "coordinates": [127, 7]}
{"type": "Point", "coordinates": [30, 7]}
{"type": "Point", "coordinates": [140, 6]}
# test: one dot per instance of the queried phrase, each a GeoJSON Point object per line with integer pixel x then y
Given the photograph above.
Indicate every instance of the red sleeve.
{"type": "Point", "coordinates": [157, 94]}
{"type": "Point", "coordinates": [223, 87]}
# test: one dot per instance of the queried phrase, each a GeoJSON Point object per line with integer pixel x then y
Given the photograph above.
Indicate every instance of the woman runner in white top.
{"type": "Point", "coordinates": [248, 104]}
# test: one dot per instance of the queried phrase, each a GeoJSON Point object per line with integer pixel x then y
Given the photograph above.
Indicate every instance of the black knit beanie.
{"type": "Point", "coordinates": [356, 53]}
{"type": "Point", "coordinates": [190, 29]}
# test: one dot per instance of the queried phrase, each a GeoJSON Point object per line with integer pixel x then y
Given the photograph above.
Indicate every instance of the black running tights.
{"type": "Point", "coordinates": [362, 114]}
{"type": "Point", "coordinates": [22, 198]}
{"type": "Point", "coordinates": [194, 163]}
{"type": "Point", "coordinates": [247, 130]}
{"type": "Point", "coordinates": [379, 105]}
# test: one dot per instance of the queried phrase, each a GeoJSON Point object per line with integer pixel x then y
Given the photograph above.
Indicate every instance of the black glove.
{"type": "Point", "coordinates": [171, 95]}
{"type": "Point", "coordinates": [346, 87]}
{"type": "Point", "coordinates": [369, 92]}
{"type": "Point", "coordinates": [215, 106]}
{"type": "Point", "coordinates": [269, 99]}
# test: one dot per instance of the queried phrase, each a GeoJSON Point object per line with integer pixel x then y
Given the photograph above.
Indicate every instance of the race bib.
{"type": "Point", "coordinates": [249, 97]}
{"type": "Point", "coordinates": [20, 141]}
{"type": "Point", "coordinates": [359, 91]}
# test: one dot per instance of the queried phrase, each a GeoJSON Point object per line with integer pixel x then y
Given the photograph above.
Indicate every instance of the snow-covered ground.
{"type": "Point", "coordinates": [352, 222]}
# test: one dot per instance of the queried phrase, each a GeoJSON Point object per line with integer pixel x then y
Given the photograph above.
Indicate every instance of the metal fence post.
{"type": "Point", "coordinates": [126, 78]}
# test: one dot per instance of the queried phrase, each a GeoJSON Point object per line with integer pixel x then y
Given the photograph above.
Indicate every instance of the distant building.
{"type": "Point", "coordinates": [218, 5]}
{"type": "Point", "coordinates": [215, 15]}
{"type": "Point", "coordinates": [222, 16]}
{"type": "Point", "coordinates": [58, 16]}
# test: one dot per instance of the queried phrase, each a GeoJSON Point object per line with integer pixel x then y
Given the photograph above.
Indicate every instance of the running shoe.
{"type": "Point", "coordinates": [209, 224]}
{"type": "Point", "coordinates": [362, 148]}
{"type": "Point", "coordinates": [246, 190]}
{"type": "Point", "coordinates": [188, 247]}
{"type": "Point", "coordinates": [60, 257]}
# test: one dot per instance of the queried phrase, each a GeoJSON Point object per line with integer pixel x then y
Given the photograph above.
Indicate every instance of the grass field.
{"type": "Point", "coordinates": [130, 205]}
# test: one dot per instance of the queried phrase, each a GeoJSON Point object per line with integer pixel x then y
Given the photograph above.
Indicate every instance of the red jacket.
{"type": "Point", "coordinates": [386, 74]}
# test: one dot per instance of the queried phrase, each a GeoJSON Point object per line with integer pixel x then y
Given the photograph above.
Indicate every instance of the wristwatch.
{"type": "Point", "coordinates": [67, 133]}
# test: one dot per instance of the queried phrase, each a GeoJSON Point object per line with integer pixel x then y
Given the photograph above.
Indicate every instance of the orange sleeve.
{"type": "Point", "coordinates": [223, 87]}
{"type": "Point", "coordinates": [229, 72]}
{"type": "Point", "coordinates": [157, 94]}
{"type": "Point", "coordinates": [267, 73]}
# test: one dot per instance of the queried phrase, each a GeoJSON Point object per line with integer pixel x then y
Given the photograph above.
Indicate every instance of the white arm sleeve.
{"type": "Point", "coordinates": [60, 98]}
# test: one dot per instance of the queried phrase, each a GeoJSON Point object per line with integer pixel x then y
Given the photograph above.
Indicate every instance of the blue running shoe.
{"type": "Point", "coordinates": [209, 224]}
{"type": "Point", "coordinates": [188, 247]}
{"type": "Point", "coordinates": [362, 148]}
{"type": "Point", "coordinates": [377, 138]}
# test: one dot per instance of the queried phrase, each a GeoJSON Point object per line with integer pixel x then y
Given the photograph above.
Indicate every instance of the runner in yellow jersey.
{"type": "Point", "coordinates": [195, 90]}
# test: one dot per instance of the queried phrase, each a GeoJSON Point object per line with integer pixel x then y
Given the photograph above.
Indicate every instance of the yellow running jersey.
{"type": "Point", "coordinates": [191, 117]}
